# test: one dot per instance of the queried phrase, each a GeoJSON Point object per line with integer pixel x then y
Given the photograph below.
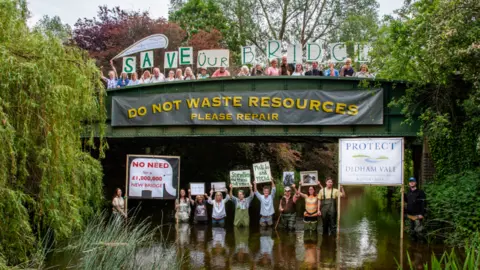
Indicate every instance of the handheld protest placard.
{"type": "Point", "coordinates": [261, 172]}
{"type": "Point", "coordinates": [288, 178]}
{"type": "Point", "coordinates": [197, 189]}
{"type": "Point", "coordinates": [219, 186]}
{"type": "Point", "coordinates": [240, 178]}
{"type": "Point", "coordinates": [309, 178]}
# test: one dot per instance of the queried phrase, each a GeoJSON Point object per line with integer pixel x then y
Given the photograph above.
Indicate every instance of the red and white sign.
{"type": "Point", "coordinates": [151, 174]}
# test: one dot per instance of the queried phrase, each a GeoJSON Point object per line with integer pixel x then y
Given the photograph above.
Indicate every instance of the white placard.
{"type": "Point", "coordinates": [294, 53]}
{"type": "Point", "coordinates": [213, 58]}
{"type": "Point", "coordinates": [371, 161]}
{"type": "Point", "coordinates": [362, 52]}
{"type": "Point", "coordinates": [314, 52]}
{"type": "Point", "coordinates": [288, 178]}
{"type": "Point", "coordinates": [261, 172]}
{"type": "Point", "coordinates": [219, 186]}
{"type": "Point", "coordinates": [185, 56]}
{"type": "Point", "coordinates": [197, 189]}
{"type": "Point", "coordinates": [338, 52]}
{"type": "Point", "coordinates": [129, 64]}
{"type": "Point", "coordinates": [146, 59]}
{"type": "Point", "coordinates": [309, 178]}
{"type": "Point", "coordinates": [150, 174]}
{"type": "Point", "coordinates": [274, 49]}
{"type": "Point", "coordinates": [240, 178]}
{"type": "Point", "coordinates": [248, 55]}
{"type": "Point", "coordinates": [170, 60]}
{"type": "Point", "coordinates": [156, 41]}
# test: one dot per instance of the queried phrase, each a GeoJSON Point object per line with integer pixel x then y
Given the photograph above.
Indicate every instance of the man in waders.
{"type": "Point", "coordinates": [241, 207]}
{"type": "Point", "coordinates": [415, 200]}
{"type": "Point", "coordinates": [327, 206]}
{"type": "Point", "coordinates": [287, 208]}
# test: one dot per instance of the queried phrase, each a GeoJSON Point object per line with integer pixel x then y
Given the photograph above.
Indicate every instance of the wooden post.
{"type": "Point", "coordinates": [126, 187]}
{"type": "Point", "coordinates": [401, 213]}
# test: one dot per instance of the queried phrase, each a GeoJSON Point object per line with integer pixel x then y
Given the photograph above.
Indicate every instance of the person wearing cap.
{"type": "Point", "coordinates": [287, 208]}
{"type": "Point", "coordinates": [203, 74]}
{"type": "Point", "coordinates": [241, 207]}
{"type": "Point", "coordinates": [327, 206]}
{"type": "Point", "coordinates": [415, 200]}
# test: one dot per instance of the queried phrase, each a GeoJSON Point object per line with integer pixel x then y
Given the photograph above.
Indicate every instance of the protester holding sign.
{"type": "Point", "coordinates": [112, 77]}
{"type": "Point", "coordinates": [218, 212]}
{"type": "Point", "coordinates": [273, 70]}
{"type": "Point", "coordinates": [331, 71]}
{"type": "Point", "coordinates": [182, 206]}
{"type": "Point", "coordinates": [287, 208]}
{"type": "Point", "coordinates": [157, 76]}
{"type": "Point", "coordinates": [327, 206]}
{"type": "Point", "coordinates": [221, 72]}
{"type": "Point", "coordinates": [134, 80]}
{"type": "Point", "coordinates": [241, 207]}
{"type": "Point", "coordinates": [312, 211]}
{"type": "Point", "coordinates": [123, 80]}
{"type": "Point", "coordinates": [145, 77]}
{"type": "Point", "coordinates": [347, 70]}
{"type": "Point", "coordinates": [200, 208]}
{"type": "Point", "coordinates": [118, 204]}
{"type": "Point", "coordinates": [266, 204]}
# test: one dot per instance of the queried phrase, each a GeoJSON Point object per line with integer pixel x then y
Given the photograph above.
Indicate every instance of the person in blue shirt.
{"type": "Point", "coordinates": [331, 71]}
{"type": "Point", "coordinates": [123, 80]}
{"type": "Point", "coordinates": [266, 204]}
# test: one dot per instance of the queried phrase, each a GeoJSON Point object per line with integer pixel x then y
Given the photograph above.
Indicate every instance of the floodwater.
{"type": "Point", "coordinates": [369, 239]}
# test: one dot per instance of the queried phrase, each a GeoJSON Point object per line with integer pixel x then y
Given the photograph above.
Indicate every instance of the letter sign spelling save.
{"type": "Point", "coordinates": [146, 59]}
{"type": "Point", "coordinates": [185, 55]}
{"type": "Point", "coordinates": [129, 64]}
{"type": "Point", "coordinates": [152, 177]}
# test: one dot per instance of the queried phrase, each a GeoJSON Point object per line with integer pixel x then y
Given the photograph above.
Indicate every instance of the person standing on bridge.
{"type": "Point", "coordinates": [347, 69]}
{"type": "Point", "coordinates": [266, 204]}
{"type": "Point", "coordinates": [314, 71]}
{"type": "Point", "coordinates": [327, 206]}
{"type": "Point", "coordinates": [331, 71]}
{"type": "Point", "coordinates": [415, 199]}
{"type": "Point", "coordinates": [288, 209]}
{"type": "Point", "coordinates": [221, 72]}
{"type": "Point", "coordinates": [241, 207]}
{"type": "Point", "coordinates": [203, 74]}
{"type": "Point", "coordinates": [273, 70]}
{"type": "Point", "coordinates": [157, 76]}
{"type": "Point", "coordinates": [285, 67]}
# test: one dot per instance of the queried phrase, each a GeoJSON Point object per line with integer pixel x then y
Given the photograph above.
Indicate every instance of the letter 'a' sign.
{"type": "Point", "coordinates": [152, 177]}
{"type": "Point", "coordinates": [371, 161]}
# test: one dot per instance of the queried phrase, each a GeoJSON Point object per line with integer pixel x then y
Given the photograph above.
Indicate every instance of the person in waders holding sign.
{"type": "Point", "coordinates": [415, 200]}
{"type": "Point", "coordinates": [288, 209]}
{"type": "Point", "coordinates": [241, 207]}
{"type": "Point", "coordinates": [310, 216]}
{"type": "Point", "coordinates": [327, 206]}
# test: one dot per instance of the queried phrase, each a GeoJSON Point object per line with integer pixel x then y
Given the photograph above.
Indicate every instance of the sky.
{"type": "Point", "coordinates": [70, 11]}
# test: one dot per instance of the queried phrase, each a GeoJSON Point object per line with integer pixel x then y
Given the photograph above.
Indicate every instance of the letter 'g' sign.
{"type": "Point", "coordinates": [129, 64]}
{"type": "Point", "coordinates": [152, 177]}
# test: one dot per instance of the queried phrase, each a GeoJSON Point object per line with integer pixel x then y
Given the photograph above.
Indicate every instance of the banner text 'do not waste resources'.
{"type": "Point", "coordinates": [303, 107]}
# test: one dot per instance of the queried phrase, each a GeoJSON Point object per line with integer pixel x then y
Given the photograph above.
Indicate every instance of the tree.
{"type": "Point", "coordinates": [54, 26]}
{"type": "Point", "coordinates": [116, 29]}
{"type": "Point", "coordinates": [49, 96]}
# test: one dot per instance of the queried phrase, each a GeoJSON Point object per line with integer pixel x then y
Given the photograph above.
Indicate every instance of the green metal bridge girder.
{"type": "Point", "coordinates": [392, 125]}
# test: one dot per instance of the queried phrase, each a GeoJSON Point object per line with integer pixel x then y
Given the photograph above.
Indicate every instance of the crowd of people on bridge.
{"type": "Point", "coordinates": [274, 69]}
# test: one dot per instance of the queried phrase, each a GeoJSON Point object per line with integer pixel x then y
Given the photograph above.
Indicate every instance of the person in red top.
{"type": "Point", "coordinates": [221, 72]}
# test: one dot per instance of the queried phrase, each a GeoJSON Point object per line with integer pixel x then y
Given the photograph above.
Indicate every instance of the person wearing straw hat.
{"type": "Point", "coordinates": [415, 200]}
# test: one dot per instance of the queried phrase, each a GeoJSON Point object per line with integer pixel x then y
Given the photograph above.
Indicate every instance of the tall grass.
{"type": "Point", "coordinates": [115, 243]}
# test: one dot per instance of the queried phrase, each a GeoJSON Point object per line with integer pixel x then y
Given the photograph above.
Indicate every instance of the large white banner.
{"type": "Point", "coordinates": [157, 41]}
{"type": "Point", "coordinates": [152, 177]}
{"type": "Point", "coordinates": [213, 58]}
{"type": "Point", "coordinates": [371, 161]}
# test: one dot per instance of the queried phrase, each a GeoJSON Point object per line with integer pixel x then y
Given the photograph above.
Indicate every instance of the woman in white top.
{"type": "Point", "coordinates": [218, 211]}
{"type": "Point", "coordinates": [146, 77]}
{"type": "Point", "coordinates": [298, 70]}
{"type": "Point", "coordinates": [179, 75]}
{"type": "Point", "coordinates": [363, 73]}
{"type": "Point", "coordinates": [118, 204]}
{"type": "Point", "coordinates": [171, 76]}
{"type": "Point", "coordinates": [182, 205]}
{"type": "Point", "coordinates": [134, 79]}
{"type": "Point", "coordinates": [244, 72]}
{"type": "Point", "coordinates": [189, 74]}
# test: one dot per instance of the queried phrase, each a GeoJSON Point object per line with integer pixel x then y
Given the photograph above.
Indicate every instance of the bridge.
{"type": "Point", "coordinates": [390, 125]}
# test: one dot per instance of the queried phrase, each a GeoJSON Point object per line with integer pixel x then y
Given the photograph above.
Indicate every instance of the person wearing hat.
{"type": "Point", "coordinates": [415, 200]}
{"type": "Point", "coordinates": [203, 74]}
{"type": "Point", "coordinates": [287, 208]}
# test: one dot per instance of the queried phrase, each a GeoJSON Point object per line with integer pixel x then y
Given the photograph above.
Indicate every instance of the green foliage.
{"type": "Point", "coordinates": [55, 27]}
{"type": "Point", "coordinates": [49, 95]}
{"type": "Point", "coordinates": [454, 202]}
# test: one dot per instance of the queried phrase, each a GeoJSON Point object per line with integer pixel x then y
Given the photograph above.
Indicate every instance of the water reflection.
{"type": "Point", "coordinates": [265, 255]}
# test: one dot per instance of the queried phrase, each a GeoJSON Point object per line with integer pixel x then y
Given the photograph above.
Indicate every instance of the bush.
{"type": "Point", "coordinates": [453, 205]}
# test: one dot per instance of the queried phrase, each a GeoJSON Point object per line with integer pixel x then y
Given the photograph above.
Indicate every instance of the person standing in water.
{"type": "Point", "coordinates": [310, 216]}
{"type": "Point", "coordinates": [118, 204]}
{"type": "Point", "coordinates": [415, 200]}
{"type": "Point", "coordinates": [327, 206]}
{"type": "Point", "coordinates": [241, 207]}
{"type": "Point", "coordinates": [288, 209]}
{"type": "Point", "coordinates": [182, 206]}
{"type": "Point", "coordinates": [266, 204]}
{"type": "Point", "coordinates": [200, 208]}
{"type": "Point", "coordinates": [218, 212]}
